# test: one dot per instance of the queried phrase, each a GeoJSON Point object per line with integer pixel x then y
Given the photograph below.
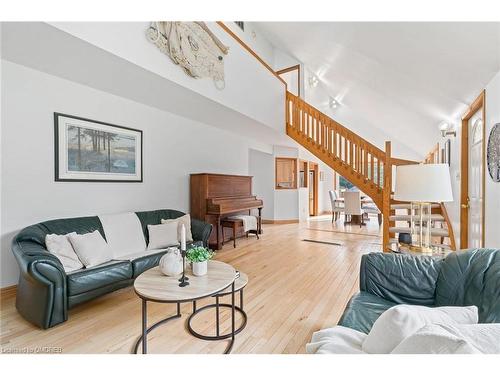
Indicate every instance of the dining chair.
{"type": "Point", "coordinates": [371, 208]}
{"type": "Point", "coordinates": [352, 205]}
{"type": "Point", "coordinates": [337, 207]}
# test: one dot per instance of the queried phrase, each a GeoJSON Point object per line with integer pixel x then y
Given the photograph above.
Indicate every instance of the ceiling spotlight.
{"type": "Point", "coordinates": [313, 81]}
{"type": "Point", "coordinates": [447, 129]}
{"type": "Point", "coordinates": [333, 103]}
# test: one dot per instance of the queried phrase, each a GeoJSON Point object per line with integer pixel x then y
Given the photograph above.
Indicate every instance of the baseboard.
{"type": "Point", "coordinates": [8, 291]}
{"type": "Point", "coordinates": [290, 221]}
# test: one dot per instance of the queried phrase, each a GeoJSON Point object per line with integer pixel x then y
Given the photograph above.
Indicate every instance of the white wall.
{"type": "Point", "coordinates": [243, 73]}
{"type": "Point", "coordinates": [353, 119]}
{"type": "Point", "coordinates": [174, 147]}
{"type": "Point", "coordinates": [492, 189]}
{"type": "Point", "coordinates": [253, 37]}
{"type": "Point", "coordinates": [286, 201]}
{"type": "Point", "coordinates": [261, 167]}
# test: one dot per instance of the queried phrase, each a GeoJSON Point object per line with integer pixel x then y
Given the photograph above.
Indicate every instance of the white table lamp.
{"type": "Point", "coordinates": [421, 185]}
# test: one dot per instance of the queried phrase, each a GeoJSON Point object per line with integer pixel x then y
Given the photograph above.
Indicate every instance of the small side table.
{"type": "Point", "coordinates": [239, 284]}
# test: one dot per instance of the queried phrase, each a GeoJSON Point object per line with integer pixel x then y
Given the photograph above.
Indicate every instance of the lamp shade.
{"type": "Point", "coordinates": [423, 183]}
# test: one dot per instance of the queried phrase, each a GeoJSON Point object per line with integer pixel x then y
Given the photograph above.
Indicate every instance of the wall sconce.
{"type": "Point", "coordinates": [447, 129]}
{"type": "Point", "coordinates": [313, 81]}
{"type": "Point", "coordinates": [333, 103]}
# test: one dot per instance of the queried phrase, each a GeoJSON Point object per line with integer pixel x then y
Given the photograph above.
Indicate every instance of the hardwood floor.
{"type": "Point", "coordinates": [295, 288]}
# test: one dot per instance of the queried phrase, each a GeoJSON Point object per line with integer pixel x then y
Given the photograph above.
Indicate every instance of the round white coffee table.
{"type": "Point", "coordinates": [154, 286]}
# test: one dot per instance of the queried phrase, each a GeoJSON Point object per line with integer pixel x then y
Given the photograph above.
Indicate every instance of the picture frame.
{"type": "Point", "coordinates": [88, 150]}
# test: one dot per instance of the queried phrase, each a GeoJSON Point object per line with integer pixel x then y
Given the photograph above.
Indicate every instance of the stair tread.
{"type": "Point", "coordinates": [434, 217]}
{"type": "Point", "coordinates": [434, 231]}
{"type": "Point", "coordinates": [402, 206]}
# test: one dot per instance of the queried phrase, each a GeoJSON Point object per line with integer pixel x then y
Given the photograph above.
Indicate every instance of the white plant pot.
{"type": "Point", "coordinates": [200, 268]}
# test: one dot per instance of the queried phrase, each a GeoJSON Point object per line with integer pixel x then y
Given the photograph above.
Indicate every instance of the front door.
{"type": "Point", "coordinates": [476, 161]}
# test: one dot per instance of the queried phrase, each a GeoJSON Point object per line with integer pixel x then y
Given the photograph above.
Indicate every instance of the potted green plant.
{"type": "Point", "coordinates": [199, 257]}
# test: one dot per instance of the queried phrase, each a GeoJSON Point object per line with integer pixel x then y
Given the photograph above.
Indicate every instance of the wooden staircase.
{"type": "Point", "coordinates": [360, 162]}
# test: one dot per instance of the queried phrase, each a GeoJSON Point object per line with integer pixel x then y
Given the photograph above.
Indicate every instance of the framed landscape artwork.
{"type": "Point", "coordinates": [89, 150]}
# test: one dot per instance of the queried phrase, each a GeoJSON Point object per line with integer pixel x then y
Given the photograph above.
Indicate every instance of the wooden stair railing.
{"type": "Point", "coordinates": [353, 157]}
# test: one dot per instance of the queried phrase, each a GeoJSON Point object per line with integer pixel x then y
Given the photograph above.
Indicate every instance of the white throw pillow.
{"type": "Point", "coordinates": [186, 220]}
{"type": "Point", "coordinates": [162, 236]}
{"type": "Point", "coordinates": [443, 339]}
{"type": "Point", "coordinates": [401, 321]}
{"type": "Point", "coordinates": [123, 233]}
{"type": "Point", "coordinates": [59, 245]}
{"type": "Point", "coordinates": [91, 248]}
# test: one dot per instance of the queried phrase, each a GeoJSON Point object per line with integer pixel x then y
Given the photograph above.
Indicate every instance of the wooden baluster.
{"type": "Point", "coordinates": [386, 196]}
{"type": "Point", "coordinates": [300, 120]}
{"type": "Point", "coordinates": [334, 141]}
{"type": "Point", "coordinates": [323, 127]}
{"type": "Point", "coordinates": [365, 162]}
{"type": "Point", "coordinates": [326, 132]}
{"type": "Point", "coordinates": [344, 149]}
{"type": "Point", "coordinates": [372, 169]}
{"type": "Point", "coordinates": [356, 151]}
{"type": "Point", "coordinates": [378, 173]}
{"type": "Point", "coordinates": [351, 152]}
{"type": "Point", "coordinates": [287, 106]}
{"type": "Point", "coordinates": [304, 123]}
{"type": "Point", "coordinates": [316, 128]}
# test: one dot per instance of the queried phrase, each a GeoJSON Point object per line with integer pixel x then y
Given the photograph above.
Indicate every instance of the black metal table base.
{"type": "Point", "coordinates": [217, 335]}
{"type": "Point", "coordinates": [145, 330]}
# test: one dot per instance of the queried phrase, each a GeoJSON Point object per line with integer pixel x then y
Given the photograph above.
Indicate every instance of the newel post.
{"type": "Point", "coordinates": [386, 195]}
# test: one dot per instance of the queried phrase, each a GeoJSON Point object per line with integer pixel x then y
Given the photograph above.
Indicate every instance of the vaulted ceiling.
{"type": "Point", "coordinates": [402, 78]}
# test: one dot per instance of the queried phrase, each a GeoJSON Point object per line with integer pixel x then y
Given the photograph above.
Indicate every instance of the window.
{"type": "Point", "coordinates": [477, 131]}
{"type": "Point", "coordinates": [286, 173]}
{"type": "Point", "coordinates": [344, 184]}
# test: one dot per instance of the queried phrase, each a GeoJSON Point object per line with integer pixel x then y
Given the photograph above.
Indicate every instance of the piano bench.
{"type": "Point", "coordinates": [234, 225]}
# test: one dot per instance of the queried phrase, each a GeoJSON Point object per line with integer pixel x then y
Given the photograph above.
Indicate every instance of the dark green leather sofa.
{"type": "Point", "coordinates": [45, 292]}
{"type": "Point", "coordinates": [463, 278]}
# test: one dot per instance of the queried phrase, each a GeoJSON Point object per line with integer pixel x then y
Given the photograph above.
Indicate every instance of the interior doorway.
{"type": "Point", "coordinates": [472, 200]}
{"type": "Point", "coordinates": [313, 188]}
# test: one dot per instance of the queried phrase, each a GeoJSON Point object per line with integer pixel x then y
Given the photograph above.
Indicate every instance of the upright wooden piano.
{"type": "Point", "coordinates": [215, 196]}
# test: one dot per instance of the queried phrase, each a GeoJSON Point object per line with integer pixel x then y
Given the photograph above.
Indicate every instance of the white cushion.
{"type": "Point", "coordinates": [186, 220]}
{"type": "Point", "coordinates": [484, 337]}
{"type": "Point", "coordinates": [336, 340]}
{"type": "Point", "coordinates": [60, 246]}
{"type": "Point", "coordinates": [91, 248]}
{"type": "Point", "coordinates": [139, 254]}
{"type": "Point", "coordinates": [401, 321]}
{"type": "Point", "coordinates": [123, 233]}
{"type": "Point", "coordinates": [162, 235]}
{"type": "Point", "coordinates": [434, 339]}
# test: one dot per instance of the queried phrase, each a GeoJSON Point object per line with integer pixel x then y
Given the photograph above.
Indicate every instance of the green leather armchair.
{"type": "Point", "coordinates": [45, 292]}
{"type": "Point", "coordinates": [463, 278]}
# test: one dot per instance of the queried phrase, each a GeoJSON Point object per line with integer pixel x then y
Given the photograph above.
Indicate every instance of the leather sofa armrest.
{"type": "Point", "coordinates": [41, 296]}
{"type": "Point", "coordinates": [400, 278]}
{"type": "Point", "coordinates": [201, 231]}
